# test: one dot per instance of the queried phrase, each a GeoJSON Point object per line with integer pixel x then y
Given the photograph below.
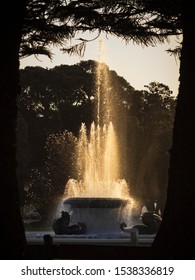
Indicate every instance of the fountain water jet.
{"type": "Point", "coordinates": [99, 198]}
{"type": "Point", "coordinates": [97, 165]}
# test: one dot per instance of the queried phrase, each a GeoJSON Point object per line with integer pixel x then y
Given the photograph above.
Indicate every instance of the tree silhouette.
{"type": "Point", "coordinates": [12, 237]}
{"type": "Point", "coordinates": [173, 239]}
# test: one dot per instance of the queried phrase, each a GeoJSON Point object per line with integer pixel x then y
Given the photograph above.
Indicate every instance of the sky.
{"type": "Point", "coordinates": [137, 64]}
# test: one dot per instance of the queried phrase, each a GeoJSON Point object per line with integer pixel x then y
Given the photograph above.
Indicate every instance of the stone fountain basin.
{"type": "Point", "coordinates": [96, 202]}
{"type": "Point", "coordinates": [99, 214]}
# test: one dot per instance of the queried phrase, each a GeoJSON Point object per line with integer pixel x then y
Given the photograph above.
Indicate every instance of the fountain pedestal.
{"type": "Point", "coordinates": [100, 215]}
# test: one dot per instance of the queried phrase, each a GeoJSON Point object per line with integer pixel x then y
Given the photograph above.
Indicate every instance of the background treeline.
{"type": "Point", "coordinates": [51, 107]}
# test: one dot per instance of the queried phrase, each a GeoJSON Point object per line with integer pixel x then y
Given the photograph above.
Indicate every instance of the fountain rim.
{"type": "Point", "coordinates": [96, 202]}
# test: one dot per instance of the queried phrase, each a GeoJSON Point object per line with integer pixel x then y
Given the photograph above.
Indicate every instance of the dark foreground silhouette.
{"type": "Point", "coordinates": [151, 223]}
{"type": "Point", "coordinates": [61, 225]}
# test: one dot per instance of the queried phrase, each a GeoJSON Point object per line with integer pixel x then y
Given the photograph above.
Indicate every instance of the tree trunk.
{"type": "Point", "coordinates": [12, 235]}
{"type": "Point", "coordinates": [175, 239]}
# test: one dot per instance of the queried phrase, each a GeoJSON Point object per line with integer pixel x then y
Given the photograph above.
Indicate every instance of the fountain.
{"type": "Point", "coordinates": [99, 198]}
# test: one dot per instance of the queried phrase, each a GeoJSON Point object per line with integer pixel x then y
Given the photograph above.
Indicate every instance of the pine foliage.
{"type": "Point", "coordinates": [57, 22]}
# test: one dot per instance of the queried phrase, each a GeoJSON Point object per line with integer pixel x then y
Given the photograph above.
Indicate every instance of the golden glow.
{"type": "Point", "coordinates": [97, 150]}
{"type": "Point", "coordinates": [97, 165]}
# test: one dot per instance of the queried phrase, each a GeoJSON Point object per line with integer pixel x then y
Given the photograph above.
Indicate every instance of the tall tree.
{"type": "Point", "coordinates": [173, 240]}
{"type": "Point", "coordinates": [12, 237]}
